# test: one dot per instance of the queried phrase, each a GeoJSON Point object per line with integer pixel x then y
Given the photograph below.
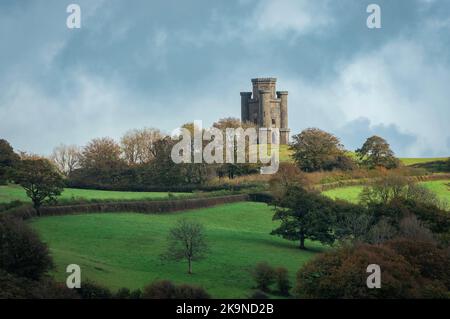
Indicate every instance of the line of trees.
{"type": "Point", "coordinates": [316, 150]}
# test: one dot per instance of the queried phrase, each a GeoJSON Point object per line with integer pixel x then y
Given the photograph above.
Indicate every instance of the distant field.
{"type": "Point", "coordinates": [412, 161]}
{"type": "Point", "coordinates": [351, 193]}
{"type": "Point", "coordinates": [14, 192]}
{"type": "Point", "coordinates": [123, 249]}
{"type": "Point", "coordinates": [285, 156]}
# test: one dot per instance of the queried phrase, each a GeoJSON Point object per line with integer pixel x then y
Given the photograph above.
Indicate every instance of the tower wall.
{"type": "Point", "coordinates": [264, 101]}
{"type": "Point", "coordinates": [283, 96]}
{"type": "Point", "coordinates": [266, 107]}
{"type": "Point", "coordinates": [245, 111]}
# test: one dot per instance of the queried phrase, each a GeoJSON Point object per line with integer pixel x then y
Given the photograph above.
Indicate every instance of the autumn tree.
{"type": "Point", "coordinates": [186, 241]}
{"type": "Point", "coordinates": [376, 151]}
{"type": "Point", "coordinates": [138, 145]}
{"type": "Point", "coordinates": [8, 161]}
{"type": "Point", "coordinates": [101, 163]}
{"type": "Point", "coordinates": [41, 181]}
{"type": "Point", "coordinates": [314, 149]}
{"type": "Point", "coordinates": [235, 169]}
{"type": "Point", "coordinates": [66, 158]}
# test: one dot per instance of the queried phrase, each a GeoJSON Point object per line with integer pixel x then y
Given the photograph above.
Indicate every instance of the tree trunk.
{"type": "Point", "coordinates": [37, 208]}
{"type": "Point", "coordinates": [190, 266]}
{"type": "Point", "coordinates": [302, 242]}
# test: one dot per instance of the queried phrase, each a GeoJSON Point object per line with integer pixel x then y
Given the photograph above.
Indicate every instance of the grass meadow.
{"type": "Point", "coordinates": [123, 249]}
{"type": "Point", "coordinates": [351, 193]}
{"type": "Point", "coordinates": [10, 193]}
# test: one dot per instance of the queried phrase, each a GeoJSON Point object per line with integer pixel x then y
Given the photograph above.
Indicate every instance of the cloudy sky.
{"type": "Point", "coordinates": [152, 63]}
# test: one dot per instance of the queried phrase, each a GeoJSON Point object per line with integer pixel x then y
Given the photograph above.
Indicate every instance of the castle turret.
{"type": "Point", "coordinates": [266, 107]}
{"type": "Point", "coordinates": [283, 95]}
{"type": "Point", "coordinates": [245, 112]}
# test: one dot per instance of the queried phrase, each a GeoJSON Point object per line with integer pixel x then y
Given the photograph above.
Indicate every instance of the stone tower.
{"type": "Point", "coordinates": [266, 107]}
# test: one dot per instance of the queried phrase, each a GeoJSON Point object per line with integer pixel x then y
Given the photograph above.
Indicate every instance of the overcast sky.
{"type": "Point", "coordinates": [142, 63]}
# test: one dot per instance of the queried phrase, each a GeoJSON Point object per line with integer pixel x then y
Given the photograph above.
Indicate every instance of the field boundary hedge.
{"type": "Point", "coordinates": [365, 181]}
{"type": "Point", "coordinates": [146, 207]}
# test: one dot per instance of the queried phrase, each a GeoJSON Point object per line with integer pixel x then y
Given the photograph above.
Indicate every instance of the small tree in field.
{"type": "Point", "coordinates": [41, 181]}
{"type": "Point", "coordinates": [304, 215]}
{"type": "Point", "coordinates": [186, 242]}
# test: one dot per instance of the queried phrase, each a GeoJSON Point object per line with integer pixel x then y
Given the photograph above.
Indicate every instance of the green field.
{"type": "Point", "coordinates": [351, 193]}
{"type": "Point", "coordinates": [411, 161]}
{"type": "Point", "coordinates": [14, 192]}
{"type": "Point", "coordinates": [285, 156]}
{"type": "Point", "coordinates": [122, 249]}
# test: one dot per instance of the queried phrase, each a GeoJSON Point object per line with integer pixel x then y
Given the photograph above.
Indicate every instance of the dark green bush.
{"type": "Point", "coordinates": [264, 276]}
{"type": "Point", "coordinates": [282, 281]}
{"type": "Point", "coordinates": [165, 289]}
{"type": "Point", "coordinates": [21, 252]}
{"type": "Point", "coordinates": [91, 290]}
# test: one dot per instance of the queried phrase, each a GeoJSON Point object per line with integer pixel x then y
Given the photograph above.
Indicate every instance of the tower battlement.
{"type": "Point", "coordinates": [266, 107]}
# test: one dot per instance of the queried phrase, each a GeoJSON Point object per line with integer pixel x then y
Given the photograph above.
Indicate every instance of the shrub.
{"type": "Point", "coordinates": [123, 293]}
{"type": "Point", "coordinates": [191, 292]}
{"type": "Point", "coordinates": [136, 294]}
{"type": "Point", "coordinates": [258, 294]}
{"type": "Point", "coordinates": [282, 281]}
{"type": "Point", "coordinates": [341, 273]}
{"type": "Point", "coordinates": [413, 229]}
{"type": "Point", "coordinates": [432, 262]}
{"type": "Point", "coordinates": [91, 290]}
{"type": "Point", "coordinates": [264, 275]}
{"type": "Point", "coordinates": [13, 287]}
{"type": "Point", "coordinates": [21, 252]}
{"type": "Point", "coordinates": [163, 289]}
{"type": "Point", "coordinates": [380, 232]}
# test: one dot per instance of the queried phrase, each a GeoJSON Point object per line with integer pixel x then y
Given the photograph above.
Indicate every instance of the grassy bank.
{"type": "Point", "coordinates": [123, 249]}
{"type": "Point", "coordinates": [10, 193]}
{"type": "Point", "coordinates": [351, 193]}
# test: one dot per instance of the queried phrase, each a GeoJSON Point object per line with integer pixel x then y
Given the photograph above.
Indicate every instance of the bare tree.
{"type": "Point", "coordinates": [66, 158]}
{"type": "Point", "coordinates": [186, 242]}
{"type": "Point", "coordinates": [137, 145]}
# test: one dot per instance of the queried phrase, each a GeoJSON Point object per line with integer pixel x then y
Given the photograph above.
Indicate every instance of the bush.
{"type": "Point", "coordinates": [264, 275]}
{"type": "Point", "coordinates": [191, 292]}
{"type": "Point", "coordinates": [282, 281]}
{"type": "Point", "coordinates": [136, 294]}
{"type": "Point", "coordinates": [341, 273]}
{"type": "Point", "coordinates": [432, 262]}
{"type": "Point", "coordinates": [91, 290]}
{"type": "Point", "coordinates": [413, 229]}
{"type": "Point", "coordinates": [123, 293]}
{"type": "Point", "coordinates": [21, 252]}
{"type": "Point", "coordinates": [13, 287]}
{"type": "Point", "coordinates": [258, 294]}
{"type": "Point", "coordinates": [165, 289]}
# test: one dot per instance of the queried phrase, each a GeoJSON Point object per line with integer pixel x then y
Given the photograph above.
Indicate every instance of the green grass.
{"type": "Point", "coordinates": [123, 249]}
{"type": "Point", "coordinates": [13, 192]}
{"type": "Point", "coordinates": [351, 193]}
{"type": "Point", "coordinates": [285, 156]}
{"type": "Point", "coordinates": [412, 161]}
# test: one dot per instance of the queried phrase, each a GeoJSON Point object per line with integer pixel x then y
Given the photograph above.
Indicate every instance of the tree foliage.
{"type": "Point", "coordinates": [41, 181]}
{"type": "Point", "coordinates": [410, 269]}
{"type": "Point", "coordinates": [8, 161]}
{"type": "Point", "coordinates": [375, 152]}
{"type": "Point", "coordinates": [314, 150]}
{"type": "Point", "coordinates": [21, 252]}
{"type": "Point", "coordinates": [304, 215]}
{"type": "Point", "coordinates": [66, 158]}
{"type": "Point", "coordinates": [186, 241]}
